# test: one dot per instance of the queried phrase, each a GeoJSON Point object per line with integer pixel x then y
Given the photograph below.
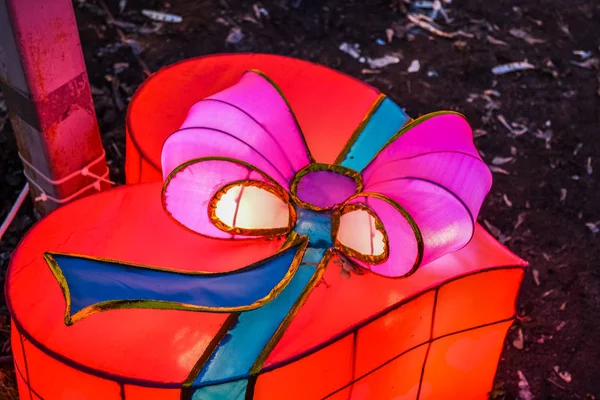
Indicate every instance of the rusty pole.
{"type": "Point", "coordinates": [45, 84]}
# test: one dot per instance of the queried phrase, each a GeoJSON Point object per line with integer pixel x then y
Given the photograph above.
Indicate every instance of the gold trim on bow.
{"type": "Point", "coordinates": [301, 241]}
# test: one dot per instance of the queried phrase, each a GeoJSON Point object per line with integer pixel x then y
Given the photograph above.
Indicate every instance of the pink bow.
{"type": "Point", "coordinates": [240, 168]}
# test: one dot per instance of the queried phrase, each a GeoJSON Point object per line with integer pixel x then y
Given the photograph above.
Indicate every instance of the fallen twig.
{"type": "Point", "coordinates": [521, 34]}
{"type": "Point", "coordinates": [516, 129]}
{"type": "Point", "coordinates": [565, 376]}
{"type": "Point", "coordinates": [512, 67]}
{"type": "Point", "coordinates": [524, 391]}
{"type": "Point", "coordinates": [498, 170]}
{"type": "Point", "coordinates": [421, 22]}
{"type": "Point", "coordinates": [162, 17]}
{"type": "Point", "coordinates": [497, 42]}
{"type": "Point", "coordinates": [590, 63]}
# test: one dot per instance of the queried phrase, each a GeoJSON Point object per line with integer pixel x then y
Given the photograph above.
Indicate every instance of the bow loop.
{"type": "Point", "coordinates": [216, 197]}
{"type": "Point", "coordinates": [250, 121]}
{"type": "Point", "coordinates": [434, 175]}
{"type": "Point", "coordinates": [390, 241]}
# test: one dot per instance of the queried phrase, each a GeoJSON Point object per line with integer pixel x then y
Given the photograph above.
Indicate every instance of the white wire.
{"type": "Point", "coordinates": [45, 197]}
{"type": "Point", "coordinates": [13, 211]}
{"type": "Point", "coordinates": [85, 171]}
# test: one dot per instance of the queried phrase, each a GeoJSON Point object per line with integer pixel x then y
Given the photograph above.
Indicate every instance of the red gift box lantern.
{"type": "Point", "coordinates": [436, 334]}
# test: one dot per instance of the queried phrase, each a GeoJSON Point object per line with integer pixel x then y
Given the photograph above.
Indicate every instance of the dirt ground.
{"type": "Point", "coordinates": [538, 129]}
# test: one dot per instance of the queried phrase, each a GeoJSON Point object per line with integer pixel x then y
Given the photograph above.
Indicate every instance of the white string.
{"type": "Point", "coordinates": [13, 211]}
{"type": "Point", "coordinates": [85, 171]}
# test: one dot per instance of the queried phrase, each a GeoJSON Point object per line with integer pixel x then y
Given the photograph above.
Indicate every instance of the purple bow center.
{"type": "Point", "coordinates": [322, 187]}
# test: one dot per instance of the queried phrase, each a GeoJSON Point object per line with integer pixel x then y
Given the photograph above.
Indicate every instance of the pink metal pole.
{"type": "Point", "coordinates": [45, 84]}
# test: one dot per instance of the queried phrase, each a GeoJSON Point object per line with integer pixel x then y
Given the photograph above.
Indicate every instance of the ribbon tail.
{"type": "Point", "coordinates": [92, 285]}
{"type": "Point", "coordinates": [232, 369]}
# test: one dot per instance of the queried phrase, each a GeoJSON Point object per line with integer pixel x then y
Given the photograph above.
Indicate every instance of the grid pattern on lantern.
{"type": "Point", "coordinates": [399, 342]}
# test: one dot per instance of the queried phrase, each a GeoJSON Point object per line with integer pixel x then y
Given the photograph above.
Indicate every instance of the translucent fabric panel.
{"type": "Point", "coordinates": [129, 225]}
{"type": "Point", "coordinates": [312, 377]}
{"type": "Point", "coordinates": [148, 173]}
{"type": "Point", "coordinates": [433, 160]}
{"type": "Point", "coordinates": [36, 397]}
{"type": "Point", "coordinates": [142, 172]}
{"type": "Point", "coordinates": [328, 112]}
{"type": "Point", "coordinates": [358, 231]}
{"type": "Point", "coordinates": [343, 394]}
{"type": "Point", "coordinates": [226, 390]}
{"type": "Point", "coordinates": [477, 300]}
{"type": "Point", "coordinates": [17, 349]}
{"type": "Point", "coordinates": [231, 121]}
{"type": "Point", "coordinates": [398, 379]}
{"type": "Point", "coordinates": [394, 333]}
{"type": "Point", "coordinates": [252, 332]}
{"type": "Point", "coordinates": [190, 192]}
{"type": "Point", "coordinates": [24, 391]}
{"type": "Point", "coordinates": [383, 124]}
{"type": "Point", "coordinates": [21, 372]}
{"type": "Point", "coordinates": [193, 143]}
{"type": "Point", "coordinates": [444, 223]}
{"type": "Point", "coordinates": [325, 189]}
{"type": "Point", "coordinates": [145, 393]}
{"type": "Point", "coordinates": [402, 259]}
{"type": "Point", "coordinates": [261, 99]}
{"type": "Point", "coordinates": [443, 131]}
{"type": "Point", "coordinates": [133, 161]}
{"type": "Point", "coordinates": [139, 169]}
{"type": "Point", "coordinates": [131, 392]}
{"type": "Point", "coordinates": [113, 285]}
{"type": "Point", "coordinates": [464, 175]}
{"type": "Point", "coordinates": [463, 366]}
{"type": "Point", "coordinates": [52, 379]}
{"type": "Point", "coordinates": [338, 304]}
{"type": "Point", "coordinates": [238, 206]}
